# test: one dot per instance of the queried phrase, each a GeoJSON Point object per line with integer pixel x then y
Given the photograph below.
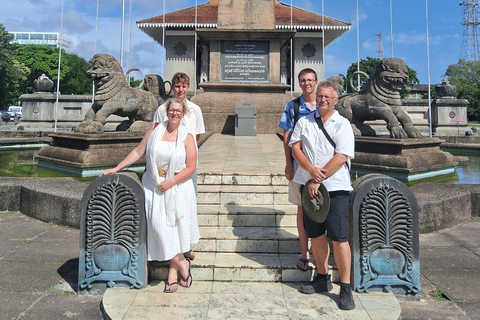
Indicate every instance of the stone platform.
{"type": "Point", "coordinates": [245, 260]}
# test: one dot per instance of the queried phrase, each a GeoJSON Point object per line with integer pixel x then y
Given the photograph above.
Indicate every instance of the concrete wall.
{"type": "Point", "coordinates": [58, 200]}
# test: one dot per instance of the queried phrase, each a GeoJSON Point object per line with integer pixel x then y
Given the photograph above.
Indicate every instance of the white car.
{"type": "Point", "coordinates": [14, 111]}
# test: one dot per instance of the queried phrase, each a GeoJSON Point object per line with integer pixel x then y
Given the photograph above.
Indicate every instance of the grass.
{"type": "Point", "coordinates": [438, 295]}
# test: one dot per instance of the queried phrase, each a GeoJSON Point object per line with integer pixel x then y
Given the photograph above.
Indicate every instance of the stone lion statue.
{"type": "Point", "coordinates": [380, 100]}
{"type": "Point", "coordinates": [155, 84]}
{"type": "Point", "coordinates": [114, 96]}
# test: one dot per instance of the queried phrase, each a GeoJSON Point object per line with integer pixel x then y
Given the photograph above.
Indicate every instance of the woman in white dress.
{"type": "Point", "coordinates": [170, 201]}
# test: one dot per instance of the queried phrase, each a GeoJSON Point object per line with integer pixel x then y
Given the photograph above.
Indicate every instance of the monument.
{"type": "Point", "coordinates": [404, 154]}
{"type": "Point", "coordinates": [113, 248]}
{"type": "Point", "coordinates": [39, 109]}
{"type": "Point", "coordinates": [248, 52]}
{"type": "Point", "coordinates": [90, 150]}
{"type": "Point", "coordinates": [385, 236]}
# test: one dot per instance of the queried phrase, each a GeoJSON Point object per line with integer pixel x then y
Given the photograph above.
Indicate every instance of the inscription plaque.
{"type": "Point", "coordinates": [244, 61]}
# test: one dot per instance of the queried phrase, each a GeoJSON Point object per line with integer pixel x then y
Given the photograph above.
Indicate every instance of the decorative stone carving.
{"type": "Point", "coordinates": [112, 235]}
{"type": "Point", "coordinates": [155, 84]}
{"type": "Point", "coordinates": [180, 49]}
{"type": "Point", "coordinates": [445, 90]}
{"type": "Point", "coordinates": [43, 84]}
{"type": "Point", "coordinates": [380, 100]}
{"type": "Point", "coordinates": [308, 50]}
{"type": "Point", "coordinates": [385, 236]}
{"type": "Point", "coordinates": [114, 96]}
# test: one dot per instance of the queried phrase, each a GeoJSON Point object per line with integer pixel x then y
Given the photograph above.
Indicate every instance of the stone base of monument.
{"type": "Point", "coordinates": [88, 155]}
{"type": "Point", "coordinates": [403, 159]}
{"type": "Point", "coordinates": [218, 102]}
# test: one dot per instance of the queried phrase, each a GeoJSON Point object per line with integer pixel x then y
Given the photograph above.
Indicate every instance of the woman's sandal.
{"type": "Point", "coordinates": [169, 286]}
{"type": "Point", "coordinates": [189, 277]}
{"type": "Point", "coordinates": [302, 264]}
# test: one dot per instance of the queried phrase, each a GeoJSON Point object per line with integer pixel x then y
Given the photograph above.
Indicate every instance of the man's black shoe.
{"type": "Point", "coordinates": [346, 297]}
{"type": "Point", "coordinates": [319, 284]}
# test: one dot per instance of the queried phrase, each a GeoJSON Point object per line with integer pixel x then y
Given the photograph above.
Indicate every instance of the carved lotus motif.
{"type": "Point", "coordinates": [180, 49]}
{"type": "Point", "coordinates": [309, 50]}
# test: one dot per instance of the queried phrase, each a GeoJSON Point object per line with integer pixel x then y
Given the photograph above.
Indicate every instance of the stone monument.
{"type": "Point", "coordinates": [449, 115]}
{"type": "Point", "coordinates": [113, 249]}
{"type": "Point", "coordinates": [385, 245]}
{"type": "Point", "coordinates": [244, 65]}
{"type": "Point", "coordinates": [39, 109]}
{"type": "Point", "coordinates": [243, 52]}
{"type": "Point", "coordinates": [114, 96]}
{"type": "Point", "coordinates": [404, 154]}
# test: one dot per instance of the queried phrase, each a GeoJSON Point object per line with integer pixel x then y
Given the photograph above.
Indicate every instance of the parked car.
{"type": "Point", "coordinates": [15, 112]}
{"type": "Point", "coordinates": [5, 116]}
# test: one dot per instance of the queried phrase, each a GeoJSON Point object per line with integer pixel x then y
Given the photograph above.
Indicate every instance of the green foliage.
{"type": "Point", "coordinates": [76, 81]}
{"type": "Point", "coordinates": [44, 60]}
{"type": "Point", "coordinates": [368, 65]}
{"type": "Point", "coordinates": [40, 60]}
{"type": "Point", "coordinates": [134, 83]}
{"type": "Point", "coordinates": [11, 72]}
{"type": "Point", "coordinates": [465, 75]}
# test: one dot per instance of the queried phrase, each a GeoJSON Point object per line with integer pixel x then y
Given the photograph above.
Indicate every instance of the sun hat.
{"type": "Point", "coordinates": [316, 208]}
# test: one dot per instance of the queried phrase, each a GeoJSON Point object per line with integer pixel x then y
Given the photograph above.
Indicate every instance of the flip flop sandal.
{"type": "Point", "coordinates": [189, 277]}
{"type": "Point", "coordinates": [169, 286]}
{"type": "Point", "coordinates": [302, 264]}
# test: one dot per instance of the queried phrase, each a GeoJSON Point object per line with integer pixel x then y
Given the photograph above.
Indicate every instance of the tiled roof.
{"type": "Point", "coordinates": [207, 13]}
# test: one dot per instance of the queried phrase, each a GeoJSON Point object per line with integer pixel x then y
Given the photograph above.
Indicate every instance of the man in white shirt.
{"type": "Point", "coordinates": [193, 119]}
{"type": "Point", "coordinates": [328, 163]}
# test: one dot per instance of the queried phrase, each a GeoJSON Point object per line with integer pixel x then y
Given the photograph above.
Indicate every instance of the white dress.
{"type": "Point", "coordinates": [165, 241]}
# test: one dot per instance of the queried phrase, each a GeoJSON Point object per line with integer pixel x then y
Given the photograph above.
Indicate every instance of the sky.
{"type": "Point", "coordinates": [409, 25]}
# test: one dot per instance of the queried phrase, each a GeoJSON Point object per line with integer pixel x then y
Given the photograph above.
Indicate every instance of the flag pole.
{"type": "Point", "coordinates": [58, 69]}
{"type": "Point", "coordinates": [428, 75]}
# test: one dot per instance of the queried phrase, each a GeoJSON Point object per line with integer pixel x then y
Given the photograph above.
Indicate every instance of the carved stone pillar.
{"type": "Point", "coordinates": [112, 235]}
{"type": "Point", "coordinates": [385, 236]}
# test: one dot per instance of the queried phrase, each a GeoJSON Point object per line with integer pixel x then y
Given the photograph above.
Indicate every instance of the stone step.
{"type": "Point", "coordinates": [241, 179]}
{"type": "Point", "coordinates": [262, 267]}
{"type": "Point", "coordinates": [242, 195]}
{"type": "Point", "coordinates": [247, 216]}
{"type": "Point", "coordinates": [248, 240]}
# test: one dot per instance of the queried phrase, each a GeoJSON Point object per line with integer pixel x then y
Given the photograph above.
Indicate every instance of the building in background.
{"type": "Point", "coordinates": [51, 39]}
{"type": "Point", "coordinates": [176, 31]}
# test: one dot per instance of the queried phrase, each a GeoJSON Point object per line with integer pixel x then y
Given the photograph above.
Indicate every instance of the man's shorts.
{"type": "Point", "coordinates": [336, 225]}
{"type": "Point", "coordinates": [294, 195]}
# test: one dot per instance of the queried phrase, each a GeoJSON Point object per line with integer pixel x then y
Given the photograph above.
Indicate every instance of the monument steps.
{"type": "Point", "coordinates": [247, 232]}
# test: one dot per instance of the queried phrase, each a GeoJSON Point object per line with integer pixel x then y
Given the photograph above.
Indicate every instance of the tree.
{"type": "Point", "coordinates": [465, 75]}
{"type": "Point", "coordinates": [76, 80]}
{"type": "Point", "coordinates": [368, 65]}
{"type": "Point", "coordinates": [40, 60]}
{"type": "Point", "coordinates": [11, 72]}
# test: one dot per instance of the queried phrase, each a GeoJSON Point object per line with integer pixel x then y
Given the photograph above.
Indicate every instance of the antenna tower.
{"type": "Point", "coordinates": [471, 21]}
{"type": "Point", "coordinates": [380, 45]}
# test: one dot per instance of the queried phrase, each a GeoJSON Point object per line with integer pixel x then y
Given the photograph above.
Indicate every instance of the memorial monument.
{"type": "Point", "coordinates": [248, 53]}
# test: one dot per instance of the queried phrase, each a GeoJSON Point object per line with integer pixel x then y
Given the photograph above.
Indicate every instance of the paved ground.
{"type": "Point", "coordinates": [39, 262]}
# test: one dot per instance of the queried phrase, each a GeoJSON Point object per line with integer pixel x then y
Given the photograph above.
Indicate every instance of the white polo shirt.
{"type": "Point", "coordinates": [193, 119]}
{"type": "Point", "coordinates": [319, 150]}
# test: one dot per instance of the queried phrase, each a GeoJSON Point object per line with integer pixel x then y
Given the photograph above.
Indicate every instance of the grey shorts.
{"type": "Point", "coordinates": [294, 195]}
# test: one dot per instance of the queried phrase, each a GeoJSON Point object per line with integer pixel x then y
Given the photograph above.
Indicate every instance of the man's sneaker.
{"type": "Point", "coordinates": [319, 284]}
{"type": "Point", "coordinates": [346, 298]}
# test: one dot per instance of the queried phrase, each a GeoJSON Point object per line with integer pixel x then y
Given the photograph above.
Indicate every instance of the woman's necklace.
{"type": "Point", "coordinates": [172, 135]}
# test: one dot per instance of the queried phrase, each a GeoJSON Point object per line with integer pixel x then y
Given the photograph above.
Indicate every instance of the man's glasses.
{"type": "Point", "coordinates": [328, 99]}
{"type": "Point", "coordinates": [307, 80]}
